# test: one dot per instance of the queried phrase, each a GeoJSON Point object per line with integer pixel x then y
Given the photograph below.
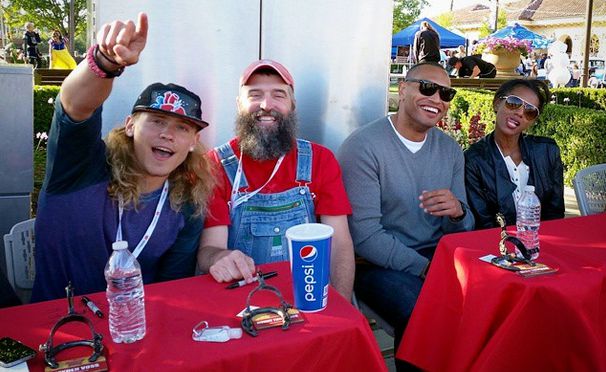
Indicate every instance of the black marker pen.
{"type": "Point", "coordinates": [91, 305]}
{"type": "Point", "coordinates": [241, 283]}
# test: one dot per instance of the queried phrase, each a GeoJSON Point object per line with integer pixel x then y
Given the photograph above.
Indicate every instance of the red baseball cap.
{"type": "Point", "coordinates": [267, 63]}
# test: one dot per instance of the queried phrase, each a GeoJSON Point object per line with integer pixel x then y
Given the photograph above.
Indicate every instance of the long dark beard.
{"type": "Point", "coordinates": [264, 143]}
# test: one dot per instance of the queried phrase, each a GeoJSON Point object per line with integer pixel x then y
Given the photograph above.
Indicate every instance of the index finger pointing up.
{"type": "Point", "coordinates": [142, 26]}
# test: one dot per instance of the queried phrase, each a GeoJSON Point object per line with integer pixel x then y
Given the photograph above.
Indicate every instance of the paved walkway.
{"type": "Point", "coordinates": [570, 202]}
{"type": "Point", "coordinates": [386, 342]}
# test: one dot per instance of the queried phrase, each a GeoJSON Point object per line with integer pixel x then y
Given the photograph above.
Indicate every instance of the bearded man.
{"type": "Point", "coordinates": [269, 181]}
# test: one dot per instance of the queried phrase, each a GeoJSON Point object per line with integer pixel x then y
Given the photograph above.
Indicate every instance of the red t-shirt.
{"type": "Point", "coordinates": [326, 182]}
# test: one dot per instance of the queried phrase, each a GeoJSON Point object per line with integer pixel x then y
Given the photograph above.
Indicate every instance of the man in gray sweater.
{"type": "Point", "coordinates": [405, 181]}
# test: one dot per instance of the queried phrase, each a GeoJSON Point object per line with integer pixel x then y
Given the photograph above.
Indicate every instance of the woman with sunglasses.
{"type": "Point", "coordinates": [498, 167]}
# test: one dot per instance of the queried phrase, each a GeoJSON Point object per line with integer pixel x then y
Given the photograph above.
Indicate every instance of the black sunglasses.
{"type": "Point", "coordinates": [429, 88]}
{"type": "Point", "coordinates": [513, 103]}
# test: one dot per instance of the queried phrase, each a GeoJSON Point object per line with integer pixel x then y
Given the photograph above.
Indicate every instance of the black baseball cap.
{"type": "Point", "coordinates": [173, 100]}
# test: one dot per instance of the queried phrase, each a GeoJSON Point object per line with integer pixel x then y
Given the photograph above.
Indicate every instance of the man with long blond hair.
{"type": "Point", "coordinates": [146, 184]}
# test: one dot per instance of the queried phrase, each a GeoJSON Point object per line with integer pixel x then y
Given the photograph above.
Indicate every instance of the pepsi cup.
{"type": "Point", "coordinates": [309, 248]}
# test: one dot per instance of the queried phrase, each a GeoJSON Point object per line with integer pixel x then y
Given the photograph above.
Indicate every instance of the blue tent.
{"type": "Point", "coordinates": [522, 33]}
{"type": "Point", "coordinates": [448, 39]}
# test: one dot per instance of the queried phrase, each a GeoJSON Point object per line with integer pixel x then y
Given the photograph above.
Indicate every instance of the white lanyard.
{"type": "Point", "coordinates": [235, 200]}
{"type": "Point", "coordinates": [152, 225]}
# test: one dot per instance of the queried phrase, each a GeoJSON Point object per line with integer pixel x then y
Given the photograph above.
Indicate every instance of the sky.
{"type": "Point", "coordinates": [439, 6]}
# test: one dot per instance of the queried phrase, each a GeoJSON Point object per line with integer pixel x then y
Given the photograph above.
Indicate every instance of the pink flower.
{"type": "Point", "coordinates": [509, 44]}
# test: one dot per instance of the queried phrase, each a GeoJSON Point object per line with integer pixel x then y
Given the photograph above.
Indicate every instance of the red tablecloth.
{"type": "Point", "coordinates": [336, 339]}
{"type": "Point", "coordinates": [473, 316]}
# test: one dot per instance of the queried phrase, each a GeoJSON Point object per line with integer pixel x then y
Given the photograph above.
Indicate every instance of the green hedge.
{"type": "Point", "coordinates": [43, 110]}
{"type": "Point", "coordinates": [580, 132]}
{"type": "Point", "coordinates": [588, 97]}
{"type": "Point", "coordinates": [468, 103]}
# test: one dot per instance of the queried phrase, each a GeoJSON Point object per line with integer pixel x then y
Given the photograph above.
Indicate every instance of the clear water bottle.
{"type": "Point", "coordinates": [125, 295]}
{"type": "Point", "coordinates": [528, 221]}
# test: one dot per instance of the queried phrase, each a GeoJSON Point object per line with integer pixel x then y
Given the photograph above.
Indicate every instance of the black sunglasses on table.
{"type": "Point", "coordinates": [429, 88]}
{"type": "Point", "coordinates": [513, 103]}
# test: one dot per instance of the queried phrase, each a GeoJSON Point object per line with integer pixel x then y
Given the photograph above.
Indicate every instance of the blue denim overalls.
{"type": "Point", "coordinates": [258, 225]}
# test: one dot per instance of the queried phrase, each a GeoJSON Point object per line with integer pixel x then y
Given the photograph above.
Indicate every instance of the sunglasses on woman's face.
{"type": "Point", "coordinates": [429, 88]}
{"type": "Point", "coordinates": [514, 102]}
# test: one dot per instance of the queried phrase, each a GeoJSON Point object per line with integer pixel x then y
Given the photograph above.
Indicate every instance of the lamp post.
{"type": "Point", "coordinates": [71, 27]}
{"type": "Point", "coordinates": [588, 16]}
{"type": "Point", "coordinates": [496, 16]}
{"type": "Point", "coordinates": [2, 44]}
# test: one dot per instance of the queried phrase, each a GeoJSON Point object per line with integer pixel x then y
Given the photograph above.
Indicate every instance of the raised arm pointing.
{"type": "Point", "coordinates": [119, 45]}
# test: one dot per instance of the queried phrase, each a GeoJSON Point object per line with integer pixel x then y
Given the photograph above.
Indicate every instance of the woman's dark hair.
{"type": "Point", "coordinates": [56, 31]}
{"type": "Point", "coordinates": [539, 87]}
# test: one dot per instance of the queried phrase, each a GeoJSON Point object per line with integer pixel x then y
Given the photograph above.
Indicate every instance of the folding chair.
{"type": "Point", "coordinates": [19, 247]}
{"type": "Point", "coordinates": [590, 189]}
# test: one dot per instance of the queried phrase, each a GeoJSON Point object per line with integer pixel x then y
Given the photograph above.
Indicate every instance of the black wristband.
{"type": "Point", "coordinates": [461, 217]}
{"type": "Point", "coordinates": [110, 74]}
{"type": "Point", "coordinates": [106, 57]}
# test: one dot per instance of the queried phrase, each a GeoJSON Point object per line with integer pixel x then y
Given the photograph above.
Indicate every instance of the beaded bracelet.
{"type": "Point", "coordinates": [97, 68]}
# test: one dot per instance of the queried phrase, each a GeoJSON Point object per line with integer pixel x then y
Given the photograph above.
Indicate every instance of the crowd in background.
{"type": "Point", "coordinates": [29, 51]}
{"type": "Point", "coordinates": [462, 61]}
{"type": "Point", "coordinates": [535, 65]}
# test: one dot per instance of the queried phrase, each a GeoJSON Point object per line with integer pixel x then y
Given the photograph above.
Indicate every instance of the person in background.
{"type": "Point", "coordinates": [499, 166]}
{"type": "Point", "coordinates": [473, 66]}
{"type": "Point", "coordinates": [31, 39]}
{"type": "Point", "coordinates": [576, 76]}
{"type": "Point", "coordinates": [528, 62]}
{"type": "Point", "coordinates": [269, 180]}
{"type": "Point", "coordinates": [426, 45]}
{"type": "Point", "coordinates": [534, 71]}
{"type": "Point", "coordinates": [405, 180]}
{"type": "Point", "coordinates": [460, 53]}
{"type": "Point", "coordinates": [521, 69]}
{"type": "Point", "coordinates": [59, 53]}
{"type": "Point", "coordinates": [444, 57]}
{"type": "Point", "coordinates": [541, 61]}
{"type": "Point", "coordinates": [146, 184]}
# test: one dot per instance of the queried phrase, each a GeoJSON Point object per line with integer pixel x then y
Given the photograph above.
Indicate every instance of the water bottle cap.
{"type": "Point", "coordinates": [529, 188]}
{"type": "Point", "coordinates": [120, 244]}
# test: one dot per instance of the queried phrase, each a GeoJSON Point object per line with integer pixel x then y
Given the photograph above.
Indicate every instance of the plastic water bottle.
{"type": "Point", "coordinates": [528, 221]}
{"type": "Point", "coordinates": [125, 295]}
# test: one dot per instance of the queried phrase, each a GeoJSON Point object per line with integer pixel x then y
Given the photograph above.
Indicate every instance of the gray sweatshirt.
{"type": "Point", "coordinates": [384, 179]}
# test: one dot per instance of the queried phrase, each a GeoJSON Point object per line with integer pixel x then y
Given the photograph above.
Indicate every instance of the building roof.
{"type": "Point", "coordinates": [528, 10]}
{"type": "Point", "coordinates": [541, 10]}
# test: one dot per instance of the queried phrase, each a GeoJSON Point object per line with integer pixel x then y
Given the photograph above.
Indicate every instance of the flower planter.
{"type": "Point", "coordinates": [506, 62]}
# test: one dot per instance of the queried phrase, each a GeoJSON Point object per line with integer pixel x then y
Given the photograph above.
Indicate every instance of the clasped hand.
{"type": "Point", "coordinates": [440, 203]}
